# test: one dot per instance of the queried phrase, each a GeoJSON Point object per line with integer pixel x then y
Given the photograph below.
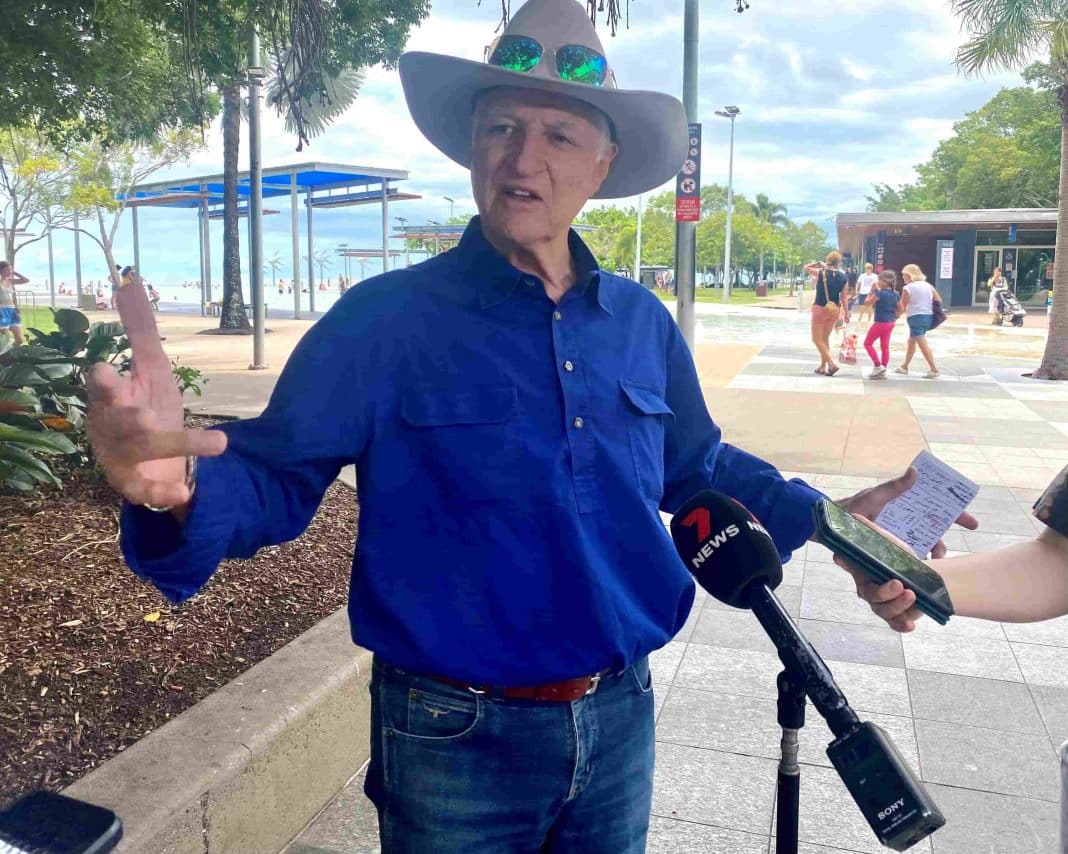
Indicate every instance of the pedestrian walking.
{"type": "Point", "coordinates": [998, 285]}
{"type": "Point", "coordinates": [10, 316]}
{"type": "Point", "coordinates": [917, 302]}
{"type": "Point", "coordinates": [831, 288]}
{"type": "Point", "coordinates": [865, 283]}
{"type": "Point", "coordinates": [885, 302]}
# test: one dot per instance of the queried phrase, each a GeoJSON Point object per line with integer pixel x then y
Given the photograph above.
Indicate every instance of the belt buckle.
{"type": "Point", "coordinates": [594, 682]}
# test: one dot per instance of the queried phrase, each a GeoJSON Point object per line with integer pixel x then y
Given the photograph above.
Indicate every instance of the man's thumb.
{"type": "Point", "coordinates": [901, 485]}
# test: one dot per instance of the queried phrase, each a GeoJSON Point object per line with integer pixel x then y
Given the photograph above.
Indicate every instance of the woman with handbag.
{"type": "Point", "coordinates": [831, 289]}
{"type": "Point", "coordinates": [920, 303]}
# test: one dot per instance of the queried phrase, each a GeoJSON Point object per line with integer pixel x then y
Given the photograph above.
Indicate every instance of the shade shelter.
{"type": "Point", "coordinates": [321, 184]}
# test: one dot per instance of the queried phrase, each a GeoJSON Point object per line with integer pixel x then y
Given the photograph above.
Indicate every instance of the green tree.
{"type": "Point", "coordinates": [614, 235]}
{"type": "Point", "coordinates": [315, 50]}
{"type": "Point", "coordinates": [34, 179]}
{"type": "Point", "coordinates": [773, 215]}
{"type": "Point", "coordinates": [109, 69]}
{"type": "Point", "coordinates": [1009, 34]}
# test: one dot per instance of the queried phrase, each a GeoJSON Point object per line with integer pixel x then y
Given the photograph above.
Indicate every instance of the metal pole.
{"type": "Point", "coordinates": [137, 243]}
{"type": "Point", "coordinates": [638, 246]}
{"type": "Point", "coordinates": [730, 214]}
{"type": "Point", "coordinates": [52, 266]}
{"type": "Point", "coordinates": [295, 228]}
{"type": "Point", "coordinates": [200, 241]}
{"type": "Point", "coordinates": [255, 207]}
{"type": "Point", "coordinates": [686, 232]}
{"type": "Point", "coordinates": [205, 249]}
{"type": "Point", "coordinates": [385, 225]}
{"type": "Point", "coordinates": [77, 262]}
{"type": "Point", "coordinates": [311, 247]}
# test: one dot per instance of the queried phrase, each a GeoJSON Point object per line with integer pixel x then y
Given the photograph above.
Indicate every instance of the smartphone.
{"type": "Point", "coordinates": [48, 823]}
{"type": "Point", "coordinates": [881, 559]}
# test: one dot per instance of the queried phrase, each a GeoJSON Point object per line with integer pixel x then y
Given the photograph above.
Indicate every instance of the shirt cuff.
{"type": "Point", "coordinates": [179, 557]}
{"type": "Point", "coordinates": [792, 522]}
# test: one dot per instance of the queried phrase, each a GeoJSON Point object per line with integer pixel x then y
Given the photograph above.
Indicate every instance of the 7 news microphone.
{"type": "Point", "coordinates": [733, 557]}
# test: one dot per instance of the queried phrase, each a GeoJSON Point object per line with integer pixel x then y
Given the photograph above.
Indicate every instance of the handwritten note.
{"type": "Point", "coordinates": [923, 514]}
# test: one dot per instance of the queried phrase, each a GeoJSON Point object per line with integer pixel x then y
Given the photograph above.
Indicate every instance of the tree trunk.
{"type": "Point", "coordinates": [1055, 360]}
{"type": "Point", "coordinates": [233, 302]}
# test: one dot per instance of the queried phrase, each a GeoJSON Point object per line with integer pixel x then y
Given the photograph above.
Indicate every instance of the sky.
{"type": "Point", "coordinates": [834, 97]}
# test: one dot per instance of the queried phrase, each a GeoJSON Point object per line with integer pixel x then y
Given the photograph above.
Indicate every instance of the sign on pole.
{"type": "Point", "coordinates": [688, 186]}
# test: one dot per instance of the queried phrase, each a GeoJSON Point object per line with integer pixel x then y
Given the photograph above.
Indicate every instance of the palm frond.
{"type": "Point", "coordinates": [1006, 34]}
{"type": "Point", "coordinates": [316, 109]}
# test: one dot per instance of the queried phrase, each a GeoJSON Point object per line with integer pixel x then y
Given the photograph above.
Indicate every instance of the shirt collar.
{"type": "Point", "coordinates": [497, 279]}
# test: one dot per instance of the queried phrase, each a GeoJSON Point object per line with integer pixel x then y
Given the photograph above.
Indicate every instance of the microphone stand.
{"type": "Point", "coordinates": [791, 717]}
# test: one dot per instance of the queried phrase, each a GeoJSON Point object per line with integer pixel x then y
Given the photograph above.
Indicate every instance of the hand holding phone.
{"type": "Point", "coordinates": [47, 823]}
{"type": "Point", "coordinates": [881, 559]}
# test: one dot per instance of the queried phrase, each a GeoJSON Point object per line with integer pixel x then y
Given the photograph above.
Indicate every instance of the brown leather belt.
{"type": "Point", "coordinates": [556, 692]}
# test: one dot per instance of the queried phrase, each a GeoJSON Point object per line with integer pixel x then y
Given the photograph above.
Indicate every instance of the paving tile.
{"type": "Point", "coordinates": [979, 541]}
{"type": "Point", "coordinates": [988, 658]}
{"type": "Point", "coordinates": [842, 606]}
{"type": "Point", "coordinates": [790, 596]}
{"type": "Point", "coordinates": [962, 626]}
{"type": "Point", "coordinates": [713, 787]}
{"type": "Point", "coordinates": [1052, 702]}
{"type": "Point", "coordinates": [855, 643]}
{"type": "Point", "coordinates": [1049, 632]}
{"type": "Point", "coordinates": [807, 848]}
{"type": "Point", "coordinates": [1041, 665]}
{"type": "Point", "coordinates": [733, 629]}
{"type": "Point", "coordinates": [842, 485]}
{"type": "Point", "coordinates": [1010, 520]}
{"type": "Point", "coordinates": [817, 553]}
{"type": "Point", "coordinates": [663, 664]}
{"type": "Point", "coordinates": [952, 452]}
{"type": "Point", "coordinates": [828, 576]}
{"type": "Point", "coordinates": [970, 701]}
{"type": "Point", "coordinates": [684, 633]}
{"type": "Point", "coordinates": [1009, 763]}
{"type": "Point", "coordinates": [987, 823]}
{"type": "Point", "coordinates": [872, 688]}
{"type": "Point", "coordinates": [671, 836]}
{"type": "Point", "coordinates": [733, 671]}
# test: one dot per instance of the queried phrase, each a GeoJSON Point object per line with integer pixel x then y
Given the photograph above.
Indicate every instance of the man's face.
{"type": "Point", "coordinates": [536, 160]}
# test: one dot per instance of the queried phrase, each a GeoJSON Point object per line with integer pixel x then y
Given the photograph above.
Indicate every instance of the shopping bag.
{"type": "Point", "coordinates": [847, 354]}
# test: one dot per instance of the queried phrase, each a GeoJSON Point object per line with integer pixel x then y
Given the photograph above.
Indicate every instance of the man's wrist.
{"type": "Point", "coordinates": [180, 511]}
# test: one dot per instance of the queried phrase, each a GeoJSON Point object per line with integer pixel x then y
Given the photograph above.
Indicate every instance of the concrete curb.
{"type": "Point", "coordinates": [244, 770]}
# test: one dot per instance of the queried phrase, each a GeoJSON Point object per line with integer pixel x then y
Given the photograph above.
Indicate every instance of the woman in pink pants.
{"type": "Point", "coordinates": [886, 302]}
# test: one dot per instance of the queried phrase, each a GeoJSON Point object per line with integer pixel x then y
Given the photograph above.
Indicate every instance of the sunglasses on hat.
{"type": "Point", "coordinates": [575, 63]}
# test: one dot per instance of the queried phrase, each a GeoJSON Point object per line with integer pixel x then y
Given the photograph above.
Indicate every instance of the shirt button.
{"type": "Point", "coordinates": [568, 366]}
{"type": "Point", "coordinates": [557, 316]}
{"type": "Point", "coordinates": [579, 423]}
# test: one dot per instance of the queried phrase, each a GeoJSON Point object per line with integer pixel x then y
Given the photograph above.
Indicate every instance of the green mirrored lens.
{"type": "Point", "coordinates": [516, 53]}
{"type": "Point", "coordinates": [581, 64]}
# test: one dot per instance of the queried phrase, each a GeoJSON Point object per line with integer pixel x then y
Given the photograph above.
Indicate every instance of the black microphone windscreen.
{"type": "Point", "coordinates": [725, 547]}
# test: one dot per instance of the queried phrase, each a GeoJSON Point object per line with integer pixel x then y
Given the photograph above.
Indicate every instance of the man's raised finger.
{"type": "Point", "coordinates": [165, 444]}
{"type": "Point", "coordinates": [103, 384]}
{"type": "Point", "coordinates": [139, 323]}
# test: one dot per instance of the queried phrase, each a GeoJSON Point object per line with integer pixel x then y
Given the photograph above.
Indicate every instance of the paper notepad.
{"type": "Point", "coordinates": [923, 514]}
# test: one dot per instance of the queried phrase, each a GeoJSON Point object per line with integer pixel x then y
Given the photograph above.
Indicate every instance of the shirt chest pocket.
{"type": "Point", "coordinates": [646, 414]}
{"type": "Point", "coordinates": [465, 437]}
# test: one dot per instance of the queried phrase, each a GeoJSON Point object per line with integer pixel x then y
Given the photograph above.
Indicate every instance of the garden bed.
{"type": "Point", "coordinates": [92, 658]}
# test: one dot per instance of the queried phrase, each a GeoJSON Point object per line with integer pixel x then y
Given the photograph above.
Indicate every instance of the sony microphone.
{"type": "Point", "coordinates": [732, 556]}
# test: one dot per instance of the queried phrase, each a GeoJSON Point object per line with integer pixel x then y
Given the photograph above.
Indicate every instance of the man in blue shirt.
{"type": "Point", "coordinates": [518, 418]}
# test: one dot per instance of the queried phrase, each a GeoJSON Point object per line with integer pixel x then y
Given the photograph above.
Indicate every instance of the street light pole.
{"type": "Point", "coordinates": [638, 245]}
{"type": "Point", "coordinates": [451, 202]}
{"type": "Point", "coordinates": [686, 232]}
{"type": "Point", "coordinates": [255, 205]}
{"type": "Point", "coordinates": [728, 113]}
{"type": "Point", "coordinates": [407, 246]}
{"type": "Point", "coordinates": [437, 235]}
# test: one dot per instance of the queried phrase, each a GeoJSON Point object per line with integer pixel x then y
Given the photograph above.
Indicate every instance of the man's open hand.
{"type": "Point", "coordinates": [891, 600]}
{"type": "Point", "coordinates": [135, 422]}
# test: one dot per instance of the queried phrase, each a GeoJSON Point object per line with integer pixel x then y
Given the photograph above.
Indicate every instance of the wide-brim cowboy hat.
{"type": "Point", "coordinates": [650, 128]}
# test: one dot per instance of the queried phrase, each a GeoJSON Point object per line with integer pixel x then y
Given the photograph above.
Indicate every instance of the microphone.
{"type": "Point", "coordinates": [732, 556]}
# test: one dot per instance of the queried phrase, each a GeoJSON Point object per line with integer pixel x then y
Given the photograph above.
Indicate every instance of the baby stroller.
{"type": "Point", "coordinates": [1009, 309]}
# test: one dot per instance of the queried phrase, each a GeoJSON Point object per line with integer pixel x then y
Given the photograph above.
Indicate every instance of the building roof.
{"type": "Point", "coordinates": [986, 217]}
{"type": "Point", "coordinates": [188, 192]}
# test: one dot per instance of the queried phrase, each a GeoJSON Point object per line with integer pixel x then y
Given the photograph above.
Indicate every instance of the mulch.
{"type": "Point", "coordinates": [92, 658]}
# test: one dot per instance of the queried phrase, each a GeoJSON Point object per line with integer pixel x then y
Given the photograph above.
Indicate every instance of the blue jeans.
{"type": "Point", "coordinates": [453, 771]}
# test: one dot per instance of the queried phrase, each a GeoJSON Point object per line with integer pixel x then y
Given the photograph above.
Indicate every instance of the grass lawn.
{"type": "Point", "coordinates": [740, 296]}
{"type": "Point", "coordinates": [38, 318]}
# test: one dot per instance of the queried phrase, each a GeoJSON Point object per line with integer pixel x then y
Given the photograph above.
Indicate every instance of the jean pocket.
{"type": "Point", "coordinates": [432, 716]}
{"type": "Point", "coordinates": [642, 676]}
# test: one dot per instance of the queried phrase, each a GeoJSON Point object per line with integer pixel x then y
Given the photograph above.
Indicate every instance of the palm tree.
{"type": "Point", "coordinates": [1008, 34]}
{"type": "Point", "coordinates": [770, 213]}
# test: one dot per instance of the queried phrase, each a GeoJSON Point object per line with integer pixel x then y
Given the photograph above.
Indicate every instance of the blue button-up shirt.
{"type": "Point", "coordinates": [512, 455]}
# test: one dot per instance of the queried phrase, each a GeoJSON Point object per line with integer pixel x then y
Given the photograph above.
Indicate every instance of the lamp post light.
{"type": "Point", "coordinates": [437, 235]}
{"type": "Point", "coordinates": [407, 246]}
{"type": "Point", "coordinates": [451, 202]}
{"type": "Point", "coordinates": [341, 249]}
{"type": "Point", "coordinates": [728, 113]}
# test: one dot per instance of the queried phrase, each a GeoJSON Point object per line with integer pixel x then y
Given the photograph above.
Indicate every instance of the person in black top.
{"type": "Point", "coordinates": [831, 288]}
